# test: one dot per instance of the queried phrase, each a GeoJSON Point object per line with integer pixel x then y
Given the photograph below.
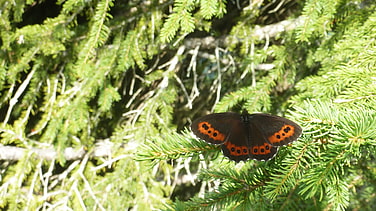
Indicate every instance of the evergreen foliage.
{"type": "Point", "coordinates": [121, 81]}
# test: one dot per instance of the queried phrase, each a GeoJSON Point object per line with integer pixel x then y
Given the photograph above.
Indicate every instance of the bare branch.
{"type": "Point", "coordinates": [277, 28]}
{"type": "Point", "coordinates": [259, 32]}
{"type": "Point", "coordinates": [102, 149]}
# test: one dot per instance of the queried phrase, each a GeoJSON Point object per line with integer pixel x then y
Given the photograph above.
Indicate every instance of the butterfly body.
{"type": "Point", "coordinates": [246, 136]}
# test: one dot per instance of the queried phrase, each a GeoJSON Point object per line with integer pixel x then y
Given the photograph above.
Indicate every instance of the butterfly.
{"type": "Point", "coordinates": [246, 136]}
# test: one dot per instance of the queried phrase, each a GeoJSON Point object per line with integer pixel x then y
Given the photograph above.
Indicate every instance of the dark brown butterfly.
{"type": "Point", "coordinates": [246, 136]}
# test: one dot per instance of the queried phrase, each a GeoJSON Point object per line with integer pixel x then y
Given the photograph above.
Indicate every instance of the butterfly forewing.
{"type": "Point", "coordinates": [215, 128]}
{"type": "Point", "coordinates": [277, 130]}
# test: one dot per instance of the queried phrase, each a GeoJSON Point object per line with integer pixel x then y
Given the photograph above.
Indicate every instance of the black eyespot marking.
{"type": "Point", "coordinates": [278, 136]}
{"type": "Point", "coordinates": [287, 129]}
{"type": "Point", "coordinates": [232, 149]}
{"type": "Point", "coordinates": [205, 126]}
{"type": "Point", "coordinates": [215, 134]}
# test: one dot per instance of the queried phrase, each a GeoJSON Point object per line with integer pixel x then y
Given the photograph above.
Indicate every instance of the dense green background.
{"type": "Point", "coordinates": [96, 97]}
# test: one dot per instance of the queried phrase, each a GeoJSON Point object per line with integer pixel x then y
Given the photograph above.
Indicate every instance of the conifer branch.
{"type": "Point", "coordinates": [12, 153]}
{"type": "Point", "coordinates": [18, 93]}
{"type": "Point", "coordinates": [67, 77]}
{"type": "Point", "coordinates": [259, 32]}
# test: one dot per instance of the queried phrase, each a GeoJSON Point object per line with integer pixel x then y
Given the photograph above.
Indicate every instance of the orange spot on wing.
{"type": "Point", "coordinates": [236, 150]}
{"type": "Point", "coordinates": [207, 129]}
{"type": "Point", "coordinates": [285, 132]}
{"type": "Point", "coordinates": [262, 149]}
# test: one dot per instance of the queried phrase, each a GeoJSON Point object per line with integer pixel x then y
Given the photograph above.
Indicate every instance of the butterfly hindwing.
{"type": "Point", "coordinates": [261, 149]}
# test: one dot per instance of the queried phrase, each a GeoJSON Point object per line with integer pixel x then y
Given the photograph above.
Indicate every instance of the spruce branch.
{"type": "Point", "coordinates": [172, 146]}
{"type": "Point", "coordinates": [287, 176]}
{"type": "Point", "coordinates": [99, 32]}
{"type": "Point", "coordinates": [240, 187]}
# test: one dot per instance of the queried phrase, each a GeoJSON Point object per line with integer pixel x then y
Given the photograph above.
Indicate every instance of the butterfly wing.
{"type": "Point", "coordinates": [278, 131]}
{"type": "Point", "coordinates": [227, 129]}
{"type": "Point", "coordinates": [215, 128]}
{"type": "Point", "coordinates": [267, 133]}
{"type": "Point", "coordinates": [260, 148]}
{"type": "Point", "coordinates": [236, 146]}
